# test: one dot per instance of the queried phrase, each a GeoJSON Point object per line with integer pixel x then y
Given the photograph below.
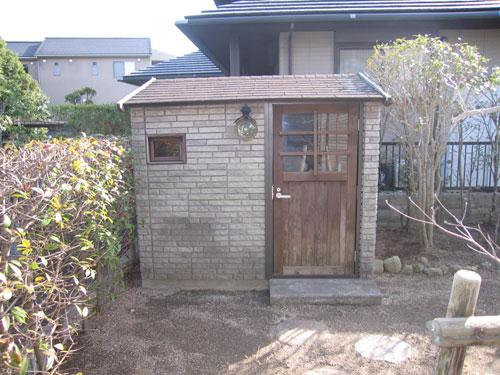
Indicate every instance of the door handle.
{"type": "Point", "coordinates": [282, 196]}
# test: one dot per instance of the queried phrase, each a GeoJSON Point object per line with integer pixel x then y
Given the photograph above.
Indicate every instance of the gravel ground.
{"type": "Point", "coordinates": [146, 332]}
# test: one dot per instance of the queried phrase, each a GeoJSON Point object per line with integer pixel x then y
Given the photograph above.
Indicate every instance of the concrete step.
{"type": "Point", "coordinates": [324, 291]}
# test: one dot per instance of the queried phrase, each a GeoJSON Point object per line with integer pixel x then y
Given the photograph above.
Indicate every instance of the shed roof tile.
{"type": "Point", "coordinates": [226, 89]}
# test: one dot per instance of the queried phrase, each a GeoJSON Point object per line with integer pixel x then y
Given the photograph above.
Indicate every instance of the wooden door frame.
{"type": "Point", "coordinates": [269, 180]}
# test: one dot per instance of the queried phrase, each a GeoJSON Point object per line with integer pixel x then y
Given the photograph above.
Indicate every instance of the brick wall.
{"type": "Point", "coordinates": [203, 220]}
{"type": "Point", "coordinates": [367, 198]}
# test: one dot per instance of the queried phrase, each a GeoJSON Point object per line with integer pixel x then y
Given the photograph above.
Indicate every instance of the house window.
{"type": "Point", "coordinates": [95, 69]}
{"type": "Point", "coordinates": [167, 149]}
{"type": "Point", "coordinates": [56, 69]}
{"type": "Point", "coordinates": [353, 60]}
{"type": "Point", "coordinates": [121, 68]}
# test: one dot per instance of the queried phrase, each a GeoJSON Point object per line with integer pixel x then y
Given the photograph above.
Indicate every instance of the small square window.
{"type": "Point", "coordinates": [167, 149]}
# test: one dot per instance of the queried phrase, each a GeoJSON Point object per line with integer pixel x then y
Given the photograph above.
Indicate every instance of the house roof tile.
{"type": "Point", "coordinates": [95, 47]}
{"type": "Point", "coordinates": [194, 64]}
{"type": "Point", "coordinates": [273, 7]}
{"type": "Point", "coordinates": [251, 88]}
{"type": "Point", "coordinates": [24, 50]}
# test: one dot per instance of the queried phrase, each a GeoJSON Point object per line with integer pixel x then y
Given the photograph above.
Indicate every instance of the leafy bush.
{"type": "Point", "coordinates": [20, 96]}
{"type": "Point", "coordinates": [92, 118]}
{"type": "Point", "coordinates": [67, 213]}
{"type": "Point", "coordinates": [83, 95]}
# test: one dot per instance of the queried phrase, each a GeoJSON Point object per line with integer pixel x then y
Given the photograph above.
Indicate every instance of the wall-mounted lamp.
{"type": "Point", "coordinates": [139, 60]}
{"type": "Point", "coordinates": [246, 126]}
{"type": "Point", "coordinates": [70, 60]}
{"type": "Point", "coordinates": [44, 60]}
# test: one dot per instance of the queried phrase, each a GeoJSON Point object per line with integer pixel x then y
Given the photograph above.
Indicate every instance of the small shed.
{"type": "Point", "coordinates": [246, 182]}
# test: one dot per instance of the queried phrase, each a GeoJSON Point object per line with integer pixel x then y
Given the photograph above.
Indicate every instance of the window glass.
{"type": "Point", "coordinates": [129, 67]}
{"type": "Point", "coordinates": [170, 148]}
{"type": "Point", "coordinates": [118, 69]}
{"type": "Point", "coordinates": [354, 60]}
{"type": "Point", "coordinates": [95, 69]}
{"type": "Point", "coordinates": [56, 69]}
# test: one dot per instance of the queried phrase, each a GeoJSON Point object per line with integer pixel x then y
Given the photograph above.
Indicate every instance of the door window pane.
{"type": "Point", "coordinates": [332, 163]}
{"type": "Point", "coordinates": [332, 142]}
{"type": "Point", "coordinates": [95, 69]}
{"type": "Point", "coordinates": [297, 122]}
{"type": "Point", "coordinates": [333, 122]}
{"type": "Point", "coordinates": [298, 163]}
{"type": "Point", "coordinates": [301, 143]}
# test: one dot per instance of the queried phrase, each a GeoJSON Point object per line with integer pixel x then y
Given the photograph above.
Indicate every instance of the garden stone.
{"type": "Point", "coordinates": [433, 271]}
{"type": "Point", "coordinates": [418, 268]}
{"type": "Point", "coordinates": [407, 269]}
{"type": "Point", "coordinates": [378, 266]}
{"type": "Point", "coordinates": [424, 261]}
{"type": "Point", "coordinates": [392, 264]}
{"type": "Point", "coordinates": [383, 348]}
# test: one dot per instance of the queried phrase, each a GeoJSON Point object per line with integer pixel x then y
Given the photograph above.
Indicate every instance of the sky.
{"type": "Point", "coordinates": [36, 19]}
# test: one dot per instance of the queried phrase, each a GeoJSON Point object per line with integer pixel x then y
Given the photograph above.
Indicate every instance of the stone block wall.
{"type": "Point", "coordinates": [202, 220]}
{"type": "Point", "coordinates": [368, 186]}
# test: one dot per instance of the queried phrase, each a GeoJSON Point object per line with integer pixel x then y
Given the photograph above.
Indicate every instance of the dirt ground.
{"type": "Point", "coordinates": [147, 332]}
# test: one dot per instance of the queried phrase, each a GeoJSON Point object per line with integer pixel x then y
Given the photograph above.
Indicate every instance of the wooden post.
{"type": "Point", "coordinates": [462, 304]}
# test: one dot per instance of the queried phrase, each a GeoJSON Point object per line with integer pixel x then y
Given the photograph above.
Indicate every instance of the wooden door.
{"type": "Point", "coordinates": [314, 190]}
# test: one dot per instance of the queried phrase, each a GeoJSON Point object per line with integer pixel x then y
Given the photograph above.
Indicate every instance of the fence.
{"type": "Point", "coordinates": [472, 159]}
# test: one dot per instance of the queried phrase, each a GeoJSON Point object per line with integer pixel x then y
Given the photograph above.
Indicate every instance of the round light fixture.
{"type": "Point", "coordinates": [246, 126]}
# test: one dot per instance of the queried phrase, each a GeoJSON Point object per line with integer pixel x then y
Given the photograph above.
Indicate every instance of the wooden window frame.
{"type": "Point", "coordinates": [166, 160]}
{"type": "Point", "coordinates": [343, 45]}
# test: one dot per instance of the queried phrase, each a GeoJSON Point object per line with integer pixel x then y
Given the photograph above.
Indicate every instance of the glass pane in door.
{"type": "Point", "coordinates": [292, 122]}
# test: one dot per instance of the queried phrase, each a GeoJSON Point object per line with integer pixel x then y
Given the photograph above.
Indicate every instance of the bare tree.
{"type": "Point", "coordinates": [431, 83]}
{"type": "Point", "coordinates": [474, 236]}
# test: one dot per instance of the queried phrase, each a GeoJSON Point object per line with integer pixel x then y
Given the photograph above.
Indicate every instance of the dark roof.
{"type": "Point", "coordinates": [274, 7]}
{"type": "Point", "coordinates": [24, 50]}
{"type": "Point", "coordinates": [247, 88]}
{"type": "Point", "coordinates": [194, 64]}
{"type": "Point", "coordinates": [95, 47]}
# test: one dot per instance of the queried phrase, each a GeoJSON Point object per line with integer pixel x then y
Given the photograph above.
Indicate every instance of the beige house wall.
{"type": "Point", "coordinates": [77, 73]}
{"type": "Point", "coordinates": [311, 52]}
{"type": "Point", "coordinates": [487, 41]}
{"type": "Point", "coordinates": [314, 52]}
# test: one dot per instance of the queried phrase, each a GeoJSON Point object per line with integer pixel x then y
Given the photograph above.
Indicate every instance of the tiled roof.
{"type": "Point", "coordinates": [24, 49]}
{"type": "Point", "coordinates": [273, 7]}
{"type": "Point", "coordinates": [195, 64]}
{"type": "Point", "coordinates": [246, 88]}
{"type": "Point", "coordinates": [95, 47]}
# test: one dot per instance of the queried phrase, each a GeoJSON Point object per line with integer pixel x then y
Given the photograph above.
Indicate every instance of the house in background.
{"type": "Point", "coordinates": [62, 65]}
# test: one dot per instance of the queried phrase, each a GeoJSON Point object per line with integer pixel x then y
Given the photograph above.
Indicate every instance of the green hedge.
{"type": "Point", "coordinates": [68, 214]}
{"type": "Point", "coordinates": [92, 118]}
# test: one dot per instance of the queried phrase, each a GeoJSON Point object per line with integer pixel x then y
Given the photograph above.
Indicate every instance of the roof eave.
{"type": "Point", "coordinates": [184, 27]}
{"type": "Point", "coordinates": [261, 99]}
{"type": "Point", "coordinates": [121, 103]}
{"type": "Point", "coordinates": [207, 19]}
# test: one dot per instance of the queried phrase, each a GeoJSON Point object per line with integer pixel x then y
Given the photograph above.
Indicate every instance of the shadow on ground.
{"type": "Point", "coordinates": [145, 332]}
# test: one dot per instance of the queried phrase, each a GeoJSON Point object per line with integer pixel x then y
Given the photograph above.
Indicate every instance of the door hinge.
{"type": "Point", "coordinates": [272, 192]}
{"type": "Point", "coordinates": [358, 124]}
